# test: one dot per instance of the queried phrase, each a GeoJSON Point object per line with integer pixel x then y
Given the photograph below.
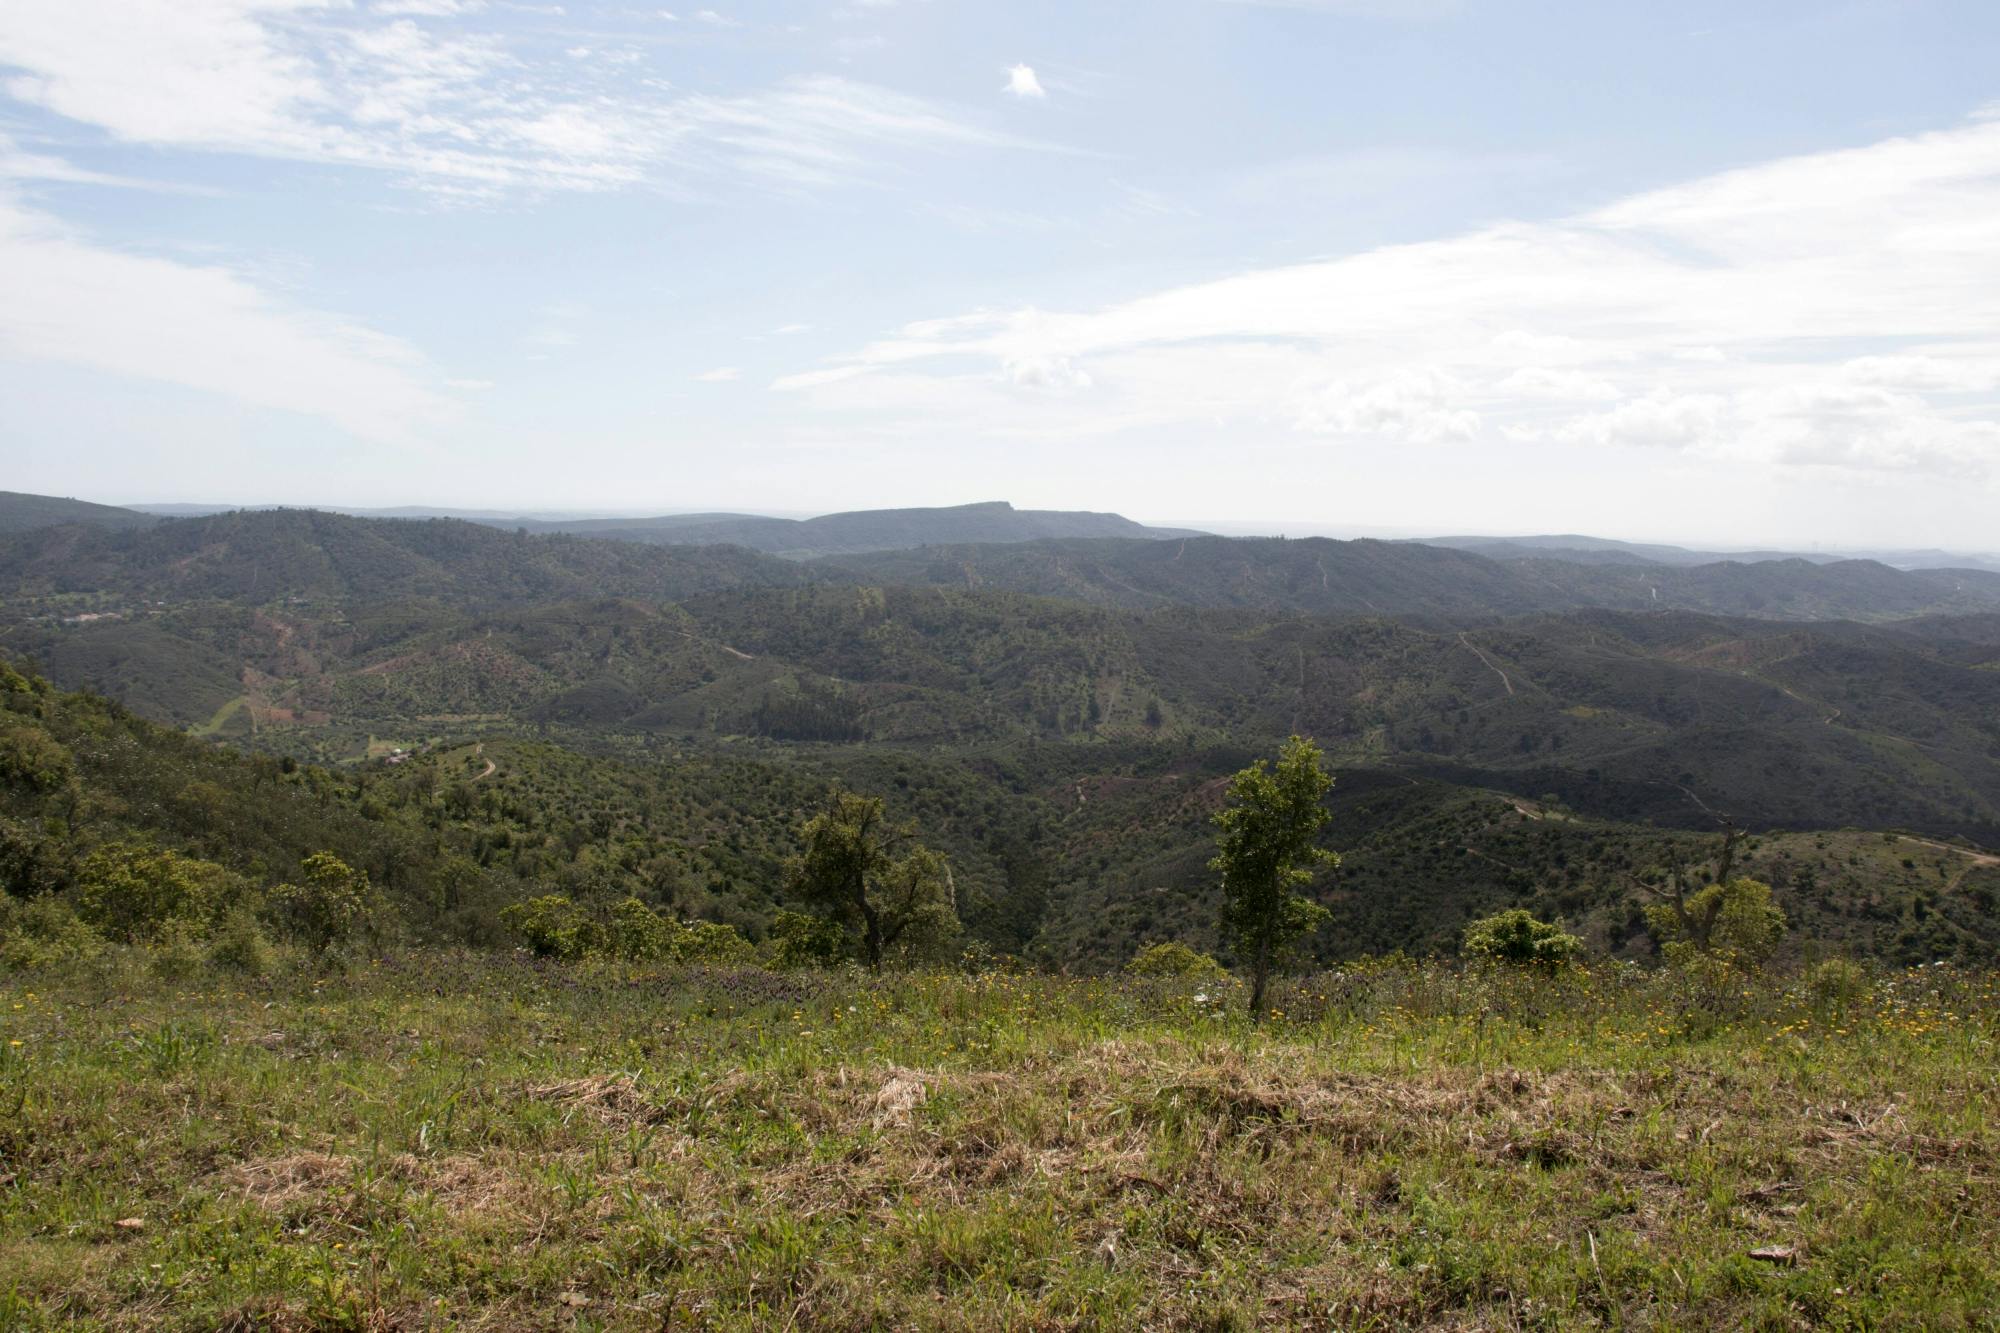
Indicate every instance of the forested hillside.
{"type": "Point", "coordinates": [272, 556]}
{"type": "Point", "coordinates": [1066, 853]}
{"type": "Point", "coordinates": [1322, 576]}
{"type": "Point", "coordinates": [510, 714]}
{"type": "Point", "coordinates": [24, 513]}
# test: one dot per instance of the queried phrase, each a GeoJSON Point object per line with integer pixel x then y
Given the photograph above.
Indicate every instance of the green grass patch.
{"type": "Point", "coordinates": [448, 1141]}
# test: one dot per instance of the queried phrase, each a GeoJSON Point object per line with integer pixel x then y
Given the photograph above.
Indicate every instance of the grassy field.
{"type": "Point", "coordinates": [450, 1141]}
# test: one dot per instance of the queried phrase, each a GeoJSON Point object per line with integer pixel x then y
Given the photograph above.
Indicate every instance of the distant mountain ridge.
{"type": "Point", "coordinates": [1606, 551]}
{"type": "Point", "coordinates": [20, 512]}
{"type": "Point", "coordinates": [265, 556]}
{"type": "Point", "coordinates": [991, 522]}
{"type": "Point", "coordinates": [1323, 576]}
{"type": "Point", "coordinates": [846, 533]}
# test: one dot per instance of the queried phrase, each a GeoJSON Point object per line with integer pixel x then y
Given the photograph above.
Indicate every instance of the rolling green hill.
{"type": "Point", "coordinates": [1662, 717]}
{"type": "Point", "coordinates": [617, 717]}
{"type": "Point", "coordinates": [274, 556]}
{"type": "Point", "coordinates": [1321, 576]}
{"type": "Point", "coordinates": [24, 513]}
{"type": "Point", "coordinates": [1070, 854]}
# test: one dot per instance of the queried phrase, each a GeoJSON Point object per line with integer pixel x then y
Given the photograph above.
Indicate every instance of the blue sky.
{"type": "Point", "coordinates": [1711, 272]}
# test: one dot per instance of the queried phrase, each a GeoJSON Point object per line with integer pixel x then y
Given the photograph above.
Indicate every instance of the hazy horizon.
{"type": "Point", "coordinates": [1222, 527]}
{"type": "Point", "coordinates": [1688, 274]}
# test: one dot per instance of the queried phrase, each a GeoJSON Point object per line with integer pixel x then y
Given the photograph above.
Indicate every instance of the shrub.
{"type": "Point", "coordinates": [1836, 985]}
{"type": "Point", "coordinates": [639, 933]}
{"type": "Point", "coordinates": [553, 926]}
{"type": "Point", "coordinates": [34, 861]}
{"type": "Point", "coordinates": [711, 942]}
{"type": "Point", "coordinates": [239, 945]}
{"type": "Point", "coordinates": [802, 940]}
{"type": "Point", "coordinates": [132, 891]}
{"type": "Point", "coordinates": [1517, 937]}
{"type": "Point", "coordinates": [333, 903]}
{"type": "Point", "coordinates": [1171, 958]}
{"type": "Point", "coordinates": [41, 932]}
{"type": "Point", "coordinates": [175, 952]}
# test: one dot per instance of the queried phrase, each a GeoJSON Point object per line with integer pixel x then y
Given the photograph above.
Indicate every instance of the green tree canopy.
{"type": "Point", "coordinates": [872, 876]}
{"type": "Point", "coordinates": [1735, 920]}
{"type": "Point", "coordinates": [131, 891]}
{"type": "Point", "coordinates": [1266, 852]}
{"type": "Point", "coordinates": [331, 904]}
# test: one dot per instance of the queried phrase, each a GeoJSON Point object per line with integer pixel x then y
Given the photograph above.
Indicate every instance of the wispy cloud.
{"type": "Point", "coordinates": [65, 299]}
{"type": "Point", "coordinates": [443, 105]}
{"type": "Point", "coordinates": [20, 164]}
{"type": "Point", "coordinates": [1838, 309]}
{"type": "Point", "coordinates": [720, 375]}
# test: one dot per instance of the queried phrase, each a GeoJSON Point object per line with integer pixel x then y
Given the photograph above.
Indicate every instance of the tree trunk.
{"type": "Point", "coordinates": [1260, 973]}
{"type": "Point", "coordinates": [871, 936]}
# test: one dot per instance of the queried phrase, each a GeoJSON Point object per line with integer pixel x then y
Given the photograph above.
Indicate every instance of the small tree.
{"type": "Point", "coordinates": [332, 903]}
{"type": "Point", "coordinates": [1734, 921]}
{"type": "Point", "coordinates": [1731, 920]}
{"type": "Point", "coordinates": [1518, 937]}
{"type": "Point", "coordinates": [872, 876]}
{"type": "Point", "coordinates": [1265, 852]}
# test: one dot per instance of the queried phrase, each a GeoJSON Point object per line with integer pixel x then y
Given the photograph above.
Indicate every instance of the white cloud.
{"type": "Point", "coordinates": [19, 164]}
{"type": "Point", "coordinates": [1421, 404]}
{"type": "Point", "coordinates": [1562, 385]}
{"type": "Point", "coordinates": [64, 299]}
{"type": "Point", "coordinates": [1726, 316]}
{"type": "Point", "coordinates": [1659, 420]}
{"type": "Point", "coordinates": [720, 375]}
{"type": "Point", "coordinates": [1976, 370]}
{"type": "Point", "coordinates": [470, 386]}
{"type": "Point", "coordinates": [1021, 82]}
{"type": "Point", "coordinates": [453, 109]}
{"type": "Point", "coordinates": [1045, 372]}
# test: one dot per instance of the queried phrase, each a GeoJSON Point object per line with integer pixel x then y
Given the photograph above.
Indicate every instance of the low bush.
{"type": "Point", "coordinates": [1518, 937]}
{"type": "Point", "coordinates": [1171, 958]}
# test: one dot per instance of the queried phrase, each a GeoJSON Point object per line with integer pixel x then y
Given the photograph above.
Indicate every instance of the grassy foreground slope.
{"type": "Point", "coordinates": [440, 1141]}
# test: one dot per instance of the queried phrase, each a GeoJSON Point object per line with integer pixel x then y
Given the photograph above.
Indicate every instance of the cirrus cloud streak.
{"type": "Point", "coordinates": [1839, 309]}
